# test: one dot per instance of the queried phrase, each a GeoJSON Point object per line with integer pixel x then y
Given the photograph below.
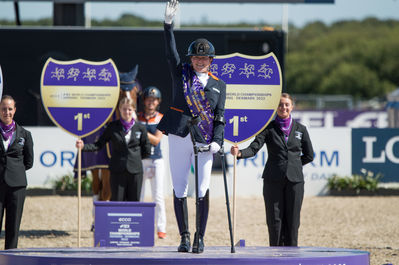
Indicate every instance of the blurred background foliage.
{"type": "Point", "coordinates": [359, 58]}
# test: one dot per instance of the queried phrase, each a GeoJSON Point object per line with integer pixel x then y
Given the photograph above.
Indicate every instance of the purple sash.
{"type": "Point", "coordinates": [197, 102]}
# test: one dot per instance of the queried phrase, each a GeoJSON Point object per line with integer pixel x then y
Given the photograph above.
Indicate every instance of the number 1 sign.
{"type": "Point", "coordinates": [254, 86]}
{"type": "Point", "coordinates": [80, 96]}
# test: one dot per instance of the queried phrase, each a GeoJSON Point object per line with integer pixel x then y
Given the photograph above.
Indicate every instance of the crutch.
{"type": "Point", "coordinates": [226, 192]}
{"type": "Point", "coordinates": [191, 123]}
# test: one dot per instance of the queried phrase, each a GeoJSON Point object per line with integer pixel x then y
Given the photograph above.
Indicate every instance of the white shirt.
{"type": "Point", "coordinates": [127, 136]}
{"type": "Point", "coordinates": [10, 140]}
{"type": "Point", "coordinates": [203, 77]}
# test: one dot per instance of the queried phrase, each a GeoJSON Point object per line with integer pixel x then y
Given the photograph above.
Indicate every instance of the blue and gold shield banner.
{"type": "Point", "coordinates": [80, 96]}
{"type": "Point", "coordinates": [254, 85]}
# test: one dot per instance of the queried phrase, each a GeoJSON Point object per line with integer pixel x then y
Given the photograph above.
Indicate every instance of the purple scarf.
{"type": "Point", "coordinates": [7, 130]}
{"type": "Point", "coordinates": [127, 125]}
{"type": "Point", "coordinates": [285, 126]}
{"type": "Point", "coordinates": [197, 102]}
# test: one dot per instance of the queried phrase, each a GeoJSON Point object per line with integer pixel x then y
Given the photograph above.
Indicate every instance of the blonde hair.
{"type": "Point", "coordinates": [127, 100]}
{"type": "Point", "coordinates": [286, 95]}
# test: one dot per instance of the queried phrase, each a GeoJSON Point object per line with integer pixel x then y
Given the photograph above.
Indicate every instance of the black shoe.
{"type": "Point", "coordinates": [184, 243]}
{"type": "Point", "coordinates": [198, 244]}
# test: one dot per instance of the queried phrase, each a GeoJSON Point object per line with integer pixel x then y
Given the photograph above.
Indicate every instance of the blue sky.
{"type": "Point", "coordinates": [298, 14]}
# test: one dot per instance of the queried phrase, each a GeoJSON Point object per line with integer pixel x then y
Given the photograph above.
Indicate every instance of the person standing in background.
{"type": "Point", "coordinates": [129, 145]}
{"type": "Point", "coordinates": [153, 167]}
{"type": "Point", "coordinates": [16, 156]}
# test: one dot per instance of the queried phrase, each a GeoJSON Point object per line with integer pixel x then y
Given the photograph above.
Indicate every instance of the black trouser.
{"type": "Point", "coordinates": [12, 202]}
{"type": "Point", "coordinates": [126, 186]}
{"type": "Point", "coordinates": [283, 202]}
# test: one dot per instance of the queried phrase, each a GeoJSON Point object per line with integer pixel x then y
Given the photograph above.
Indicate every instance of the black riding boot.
{"type": "Point", "coordinates": [180, 205]}
{"type": "Point", "coordinates": [202, 218]}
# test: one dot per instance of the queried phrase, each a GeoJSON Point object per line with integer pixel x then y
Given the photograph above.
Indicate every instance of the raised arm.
{"type": "Point", "coordinates": [170, 42]}
{"type": "Point", "coordinates": [170, 11]}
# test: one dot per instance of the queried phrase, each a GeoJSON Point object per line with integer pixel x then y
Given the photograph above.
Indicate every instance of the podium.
{"type": "Point", "coordinates": [124, 224]}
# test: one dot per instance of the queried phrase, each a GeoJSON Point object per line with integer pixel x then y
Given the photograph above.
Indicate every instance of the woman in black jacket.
{"type": "Point", "coordinates": [289, 148]}
{"type": "Point", "coordinates": [16, 156]}
{"type": "Point", "coordinates": [129, 145]}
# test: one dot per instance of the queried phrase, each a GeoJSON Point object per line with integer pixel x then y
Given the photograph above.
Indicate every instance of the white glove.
{"type": "Point", "coordinates": [214, 147]}
{"type": "Point", "coordinates": [170, 11]}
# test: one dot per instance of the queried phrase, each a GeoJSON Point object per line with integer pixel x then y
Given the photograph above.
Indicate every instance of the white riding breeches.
{"type": "Point", "coordinates": [181, 157]}
{"type": "Point", "coordinates": [153, 171]}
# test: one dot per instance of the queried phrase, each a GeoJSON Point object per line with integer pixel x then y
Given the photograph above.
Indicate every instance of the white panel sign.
{"type": "Point", "coordinates": [333, 155]}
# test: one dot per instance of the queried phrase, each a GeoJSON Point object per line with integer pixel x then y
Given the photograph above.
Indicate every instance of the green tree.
{"type": "Point", "coordinates": [348, 57]}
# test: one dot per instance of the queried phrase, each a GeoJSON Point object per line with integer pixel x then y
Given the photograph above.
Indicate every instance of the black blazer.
{"type": "Point", "coordinates": [124, 155]}
{"type": "Point", "coordinates": [175, 119]}
{"type": "Point", "coordinates": [17, 159]}
{"type": "Point", "coordinates": [284, 158]}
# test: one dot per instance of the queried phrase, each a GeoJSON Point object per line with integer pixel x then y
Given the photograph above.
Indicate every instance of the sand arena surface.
{"type": "Point", "coordinates": [364, 223]}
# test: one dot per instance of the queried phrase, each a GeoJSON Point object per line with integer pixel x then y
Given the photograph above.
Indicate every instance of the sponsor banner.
{"type": "Point", "coordinates": [253, 90]}
{"type": "Point", "coordinates": [340, 151]}
{"type": "Point", "coordinates": [376, 150]}
{"type": "Point", "coordinates": [342, 118]}
{"type": "Point", "coordinates": [124, 224]}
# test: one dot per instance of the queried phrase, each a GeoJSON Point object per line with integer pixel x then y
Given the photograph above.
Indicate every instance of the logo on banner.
{"type": "Point", "coordinates": [376, 150]}
{"type": "Point", "coordinates": [254, 86]}
{"type": "Point", "coordinates": [1, 83]}
{"type": "Point", "coordinates": [79, 96]}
